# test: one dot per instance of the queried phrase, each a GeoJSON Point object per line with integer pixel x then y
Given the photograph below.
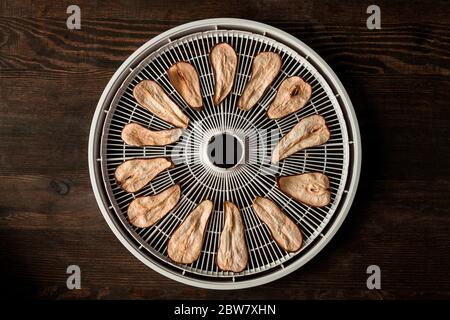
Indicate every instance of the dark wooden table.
{"type": "Point", "coordinates": [397, 77]}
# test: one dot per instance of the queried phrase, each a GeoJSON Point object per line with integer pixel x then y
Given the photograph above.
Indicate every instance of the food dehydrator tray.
{"type": "Point", "coordinates": [339, 158]}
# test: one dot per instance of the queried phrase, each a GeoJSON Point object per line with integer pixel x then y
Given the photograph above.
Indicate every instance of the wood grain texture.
{"type": "Point", "coordinates": [398, 79]}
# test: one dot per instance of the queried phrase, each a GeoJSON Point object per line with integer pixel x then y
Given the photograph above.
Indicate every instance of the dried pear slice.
{"type": "Point", "coordinates": [184, 78]}
{"type": "Point", "coordinates": [134, 134]}
{"type": "Point", "coordinates": [133, 175]}
{"type": "Point", "coordinates": [312, 189]}
{"type": "Point", "coordinates": [265, 68]}
{"type": "Point", "coordinates": [151, 96]}
{"type": "Point", "coordinates": [284, 231]}
{"type": "Point", "coordinates": [186, 242]}
{"type": "Point", "coordinates": [232, 254]}
{"type": "Point", "coordinates": [309, 132]}
{"type": "Point", "coordinates": [223, 61]}
{"type": "Point", "coordinates": [292, 95]}
{"type": "Point", "coordinates": [144, 212]}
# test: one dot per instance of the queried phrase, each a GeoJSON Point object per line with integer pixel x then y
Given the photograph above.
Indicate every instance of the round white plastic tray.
{"type": "Point", "coordinates": [339, 158]}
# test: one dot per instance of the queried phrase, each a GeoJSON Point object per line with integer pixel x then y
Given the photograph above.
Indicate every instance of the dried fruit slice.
{"type": "Point", "coordinates": [144, 212]}
{"type": "Point", "coordinates": [186, 242]}
{"type": "Point", "coordinates": [309, 132]}
{"type": "Point", "coordinates": [223, 61]}
{"type": "Point", "coordinates": [133, 175]}
{"type": "Point", "coordinates": [265, 68]}
{"type": "Point", "coordinates": [292, 95]}
{"type": "Point", "coordinates": [151, 96]}
{"type": "Point", "coordinates": [284, 231]}
{"type": "Point", "coordinates": [184, 78]}
{"type": "Point", "coordinates": [232, 254]}
{"type": "Point", "coordinates": [312, 188]}
{"type": "Point", "coordinates": [134, 134]}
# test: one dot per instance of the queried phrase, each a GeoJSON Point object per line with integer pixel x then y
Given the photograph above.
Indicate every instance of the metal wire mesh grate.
{"type": "Point", "coordinates": [199, 180]}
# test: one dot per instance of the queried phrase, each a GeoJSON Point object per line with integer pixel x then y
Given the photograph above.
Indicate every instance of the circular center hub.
{"type": "Point", "coordinates": [225, 151]}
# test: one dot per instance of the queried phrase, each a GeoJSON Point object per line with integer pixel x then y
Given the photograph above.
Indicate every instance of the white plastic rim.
{"type": "Point", "coordinates": [213, 24]}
